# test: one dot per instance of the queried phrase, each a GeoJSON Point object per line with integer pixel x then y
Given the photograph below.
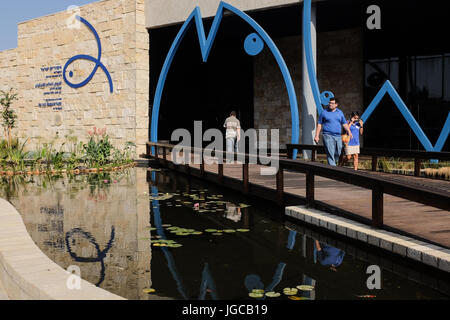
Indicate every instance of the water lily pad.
{"type": "Point", "coordinates": [243, 230]}
{"type": "Point", "coordinates": [174, 245]}
{"type": "Point", "coordinates": [305, 288]}
{"type": "Point", "coordinates": [258, 290]}
{"type": "Point", "coordinates": [229, 230]}
{"type": "Point", "coordinates": [256, 295]}
{"type": "Point", "coordinates": [197, 232]}
{"type": "Point", "coordinates": [243, 205]}
{"type": "Point", "coordinates": [290, 291]}
{"type": "Point", "coordinates": [210, 230]}
{"type": "Point", "coordinates": [161, 197]}
{"type": "Point", "coordinates": [149, 290]}
{"type": "Point", "coordinates": [272, 294]}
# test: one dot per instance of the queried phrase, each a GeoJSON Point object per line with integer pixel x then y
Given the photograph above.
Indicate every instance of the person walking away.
{"type": "Point", "coordinates": [232, 134]}
{"type": "Point", "coordinates": [352, 149]}
{"type": "Point", "coordinates": [332, 120]}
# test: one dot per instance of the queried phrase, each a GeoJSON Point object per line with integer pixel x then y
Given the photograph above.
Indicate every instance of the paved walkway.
{"type": "Point", "coordinates": [3, 295]}
{"type": "Point", "coordinates": [421, 220]}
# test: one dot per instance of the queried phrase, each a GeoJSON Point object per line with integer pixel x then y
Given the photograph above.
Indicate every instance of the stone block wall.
{"type": "Point", "coordinates": [49, 42]}
{"type": "Point", "coordinates": [339, 69]}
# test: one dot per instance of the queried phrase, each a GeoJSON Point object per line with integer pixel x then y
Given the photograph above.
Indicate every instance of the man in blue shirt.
{"type": "Point", "coordinates": [332, 120]}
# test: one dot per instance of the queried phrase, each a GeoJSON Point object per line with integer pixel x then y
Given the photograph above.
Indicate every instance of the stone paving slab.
{"type": "Point", "coordinates": [27, 273]}
{"type": "Point", "coordinates": [3, 295]}
{"type": "Point", "coordinates": [417, 250]}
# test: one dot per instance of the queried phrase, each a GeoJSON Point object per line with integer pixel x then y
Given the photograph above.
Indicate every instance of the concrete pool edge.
{"type": "Point", "coordinates": [27, 273]}
{"type": "Point", "coordinates": [406, 247]}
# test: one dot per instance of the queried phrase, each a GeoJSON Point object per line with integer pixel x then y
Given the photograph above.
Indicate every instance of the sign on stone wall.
{"type": "Point", "coordinates": [51, 86]}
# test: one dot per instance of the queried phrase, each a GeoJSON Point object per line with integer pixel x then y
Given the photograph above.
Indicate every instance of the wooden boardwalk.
{"type": "Point", "coordinates": [423, 221]}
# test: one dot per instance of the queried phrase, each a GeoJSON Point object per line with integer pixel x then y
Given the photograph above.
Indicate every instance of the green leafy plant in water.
{"type": "Point", "coordinates": [17, 157]}
{"type": "Point", "coordinates": [57, 158]}
{"type": "Point", "coordinates": [75, 150]}
{"type": "Point", "coordinates": [9, 116]}
{"type": "Point", "coordinates": [98, 149]}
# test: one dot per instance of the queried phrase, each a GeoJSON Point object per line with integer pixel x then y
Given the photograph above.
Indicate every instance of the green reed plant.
{"type": "Point", "coordinates": [98, 149]}
{"type": "Point", "coordinates": [9, 116]}
{"type": "Point", "coordinates": [17, 157]}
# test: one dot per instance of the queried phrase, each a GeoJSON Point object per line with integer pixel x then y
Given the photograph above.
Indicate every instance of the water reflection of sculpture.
{"type": "Point", "coordinates": [207, 282]}
{"type": "Point", "coordinates": [160, 231]}
{"type": "Point", "coordinates": [101, 254]}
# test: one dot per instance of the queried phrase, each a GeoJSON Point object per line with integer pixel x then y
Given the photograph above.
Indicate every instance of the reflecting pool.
{"type": "Point", "coordinates": [186, 239]}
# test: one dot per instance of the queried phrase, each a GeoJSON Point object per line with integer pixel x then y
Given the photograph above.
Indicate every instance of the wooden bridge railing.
{"type": "Point", "coordinates": [418, 156]}
{"type": "Point", "coordinates": [379, 185]}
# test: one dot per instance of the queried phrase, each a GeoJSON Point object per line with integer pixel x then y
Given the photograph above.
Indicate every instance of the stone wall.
{"type": "Point", "coordinates": [339, 69]}
{"type": "Point", "coordinates": [48, 42]}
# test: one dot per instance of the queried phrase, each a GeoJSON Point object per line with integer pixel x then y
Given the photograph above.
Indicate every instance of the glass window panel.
{"type": "Point", "coordinates": [429, 76]}
{"type": "Point", "coordinates": [447, 78]}
{"type": "Point", "coordinates": [393, 76]}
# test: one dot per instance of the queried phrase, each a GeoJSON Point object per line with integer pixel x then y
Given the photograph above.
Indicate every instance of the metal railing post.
{"type": "Point", "coordinates": [374, 163]}
{"type": "Point", "coordinates": [280, 186]}
{"type": "Point", "coordinates": [309, 189]}
{"type": "Point", "coordinates": [417, 163]}
{"type": "Point", "coordinates": [377, 206]}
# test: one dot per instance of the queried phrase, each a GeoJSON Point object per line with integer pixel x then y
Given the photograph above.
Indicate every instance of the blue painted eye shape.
{"type": "Point", "coordinates": [325, 97]}
{"type": "Point", "coordinates": [253, 44]}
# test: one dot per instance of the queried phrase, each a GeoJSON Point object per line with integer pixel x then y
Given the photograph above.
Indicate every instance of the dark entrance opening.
{"type": "Point", "coordinates": [199, 91]}
{"type": "Point", "coordinates": [209, 91]}
{"type": "Point", "coordinates": [409, 50]}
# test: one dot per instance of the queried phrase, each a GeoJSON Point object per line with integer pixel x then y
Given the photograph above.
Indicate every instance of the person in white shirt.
{"type": "Point", "coordinates": [232, 134]}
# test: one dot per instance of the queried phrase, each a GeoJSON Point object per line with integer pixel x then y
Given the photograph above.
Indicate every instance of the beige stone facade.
{"type": "Point", "coordinates": [48, 42]}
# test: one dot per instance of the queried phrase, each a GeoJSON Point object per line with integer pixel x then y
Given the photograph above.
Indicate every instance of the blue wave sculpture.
{"type": "Point", "coordinates": [86, 57]}
{"type": "Point", "coordinates": [253, 45]}
{"type": "Point", "coordinates": [387, 88]}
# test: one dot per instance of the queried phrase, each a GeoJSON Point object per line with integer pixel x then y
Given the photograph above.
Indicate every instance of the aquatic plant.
{"type": "Point", "coordinates": [98, 149]}
{"type": "Point", "coordinates": [8, 115]}
{"type": "Point", "coordinates": [17, 157]}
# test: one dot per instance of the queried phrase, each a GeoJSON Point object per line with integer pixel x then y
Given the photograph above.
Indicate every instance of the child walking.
{"type": "Point", "coordinates": [352, 148]}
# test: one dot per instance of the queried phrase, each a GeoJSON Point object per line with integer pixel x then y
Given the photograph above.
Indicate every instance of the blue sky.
{"type": "Point", "coordinates": [15, 11]}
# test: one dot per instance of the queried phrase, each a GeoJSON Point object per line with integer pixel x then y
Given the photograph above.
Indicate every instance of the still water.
{"type": "Point", "coordinates": [140, 229]}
